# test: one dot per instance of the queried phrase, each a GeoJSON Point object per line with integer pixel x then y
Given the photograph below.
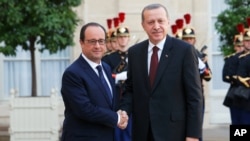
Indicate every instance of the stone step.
{"type": "Point", "coordinates": [4, 138]}
{"type": "Point", "coordinates": [4, 134]}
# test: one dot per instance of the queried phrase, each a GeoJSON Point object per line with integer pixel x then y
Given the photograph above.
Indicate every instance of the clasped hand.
{"type": "Point", "coordinates": [123, 119]}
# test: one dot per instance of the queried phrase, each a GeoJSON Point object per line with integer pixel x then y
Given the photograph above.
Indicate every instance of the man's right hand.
{"type": "Point", "coordinates": [123, 119]}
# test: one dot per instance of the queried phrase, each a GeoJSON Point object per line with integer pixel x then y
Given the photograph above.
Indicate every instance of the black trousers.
{"type": "Point", "coordinates": [150, 134]}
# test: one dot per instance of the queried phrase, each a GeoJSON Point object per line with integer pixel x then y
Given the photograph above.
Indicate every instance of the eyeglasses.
{"type": "Point", "coordinates": [93, 42]}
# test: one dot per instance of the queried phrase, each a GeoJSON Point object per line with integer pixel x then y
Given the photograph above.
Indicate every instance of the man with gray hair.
{"type": "Point", "coordinates": [163, 89]}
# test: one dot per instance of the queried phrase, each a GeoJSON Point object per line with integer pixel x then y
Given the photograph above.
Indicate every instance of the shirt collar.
{"type": "Point", "coordinates": [160, 45]}
{"type": "Point", "coordinates": [91, 63]}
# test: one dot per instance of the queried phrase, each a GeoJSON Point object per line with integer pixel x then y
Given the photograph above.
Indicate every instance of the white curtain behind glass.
{"type": "Point", "coordinates": [52, 68]}
{"type": "Point", "coordinates": [17, 72]}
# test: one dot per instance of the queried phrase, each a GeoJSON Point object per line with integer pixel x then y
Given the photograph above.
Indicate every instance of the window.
{"type": "Point", "coordinates": [217, 61]}
{"type": "Point", "coordinates": [17, 72]}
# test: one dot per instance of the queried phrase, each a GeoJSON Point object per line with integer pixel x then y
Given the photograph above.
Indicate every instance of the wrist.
{"type": "Point", "coordinates": [113, 75]}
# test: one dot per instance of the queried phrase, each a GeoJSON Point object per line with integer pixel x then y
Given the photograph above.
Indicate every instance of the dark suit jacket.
{"type": "Point", "coordinates": [173, 107]}
{"type": "Point", "coordinates": [89, 114]}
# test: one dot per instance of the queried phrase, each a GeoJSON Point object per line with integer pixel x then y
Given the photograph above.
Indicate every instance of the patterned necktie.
{"type": "Point", "coordinates": [153, 65]}
{"type": "Point", "coordinates": [104, 82]}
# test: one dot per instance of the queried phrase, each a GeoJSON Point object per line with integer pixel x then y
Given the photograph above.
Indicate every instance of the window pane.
{"type": "Point", "coordinates": [52, 68]}
{"type": "Point", "coordinates": [218, 63]}
{"type": "Point", "coordinates": [49, 69]}
{"type": "Point", "coordinates": [218, 6]}
{"type": "Point", "coordinates": [215, 37]}
{"type": "Point", "coordinates": [17, 70]}
{"type": "Point", "coordinates": [51, 74]}
{"type": "Point", "coordinates": [217, 58]}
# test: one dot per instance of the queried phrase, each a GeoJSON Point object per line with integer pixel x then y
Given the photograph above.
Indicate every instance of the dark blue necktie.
{"type": "Point", "coordinates": [104, 82]}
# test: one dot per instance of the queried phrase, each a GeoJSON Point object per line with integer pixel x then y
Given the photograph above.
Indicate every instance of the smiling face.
{"type": "Point", "coordinates": [155, 22]}
{"type": "Point", "coordinates": [93, 46]}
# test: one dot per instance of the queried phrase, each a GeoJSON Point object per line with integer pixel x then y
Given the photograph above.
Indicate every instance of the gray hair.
{"type": "Point", "coordinates": [153, 6]}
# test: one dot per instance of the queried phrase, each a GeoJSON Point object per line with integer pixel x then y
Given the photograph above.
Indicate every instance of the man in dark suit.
{"type": "Point", "coordinates": [169, 106]}
{"type": "Point", "coordinates": [88, 92]}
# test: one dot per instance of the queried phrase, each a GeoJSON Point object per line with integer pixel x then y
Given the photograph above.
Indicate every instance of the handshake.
{"type": "Point", "coordinates": [122, 124]}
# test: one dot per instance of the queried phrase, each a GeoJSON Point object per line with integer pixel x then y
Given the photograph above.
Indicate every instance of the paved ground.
{"type": "Point", "coordinates": [211, 133]}
{"type": "Point", "coordinates": [216, 133]}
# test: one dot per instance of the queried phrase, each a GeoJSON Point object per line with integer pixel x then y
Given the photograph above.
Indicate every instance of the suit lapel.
{"type": "Point", "coordinates": [90, 72]}
{"type": "Point", "coordinates": [143, 60]}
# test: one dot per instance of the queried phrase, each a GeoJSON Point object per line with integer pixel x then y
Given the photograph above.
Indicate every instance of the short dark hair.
{"type": "Point", "coordinates": [153, 6]}
{"type": "Point", "coordinates": [84, 27]}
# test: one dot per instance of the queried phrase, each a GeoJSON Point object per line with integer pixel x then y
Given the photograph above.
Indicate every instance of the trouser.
{"type": "Point", "coordinates": [239, 116]}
